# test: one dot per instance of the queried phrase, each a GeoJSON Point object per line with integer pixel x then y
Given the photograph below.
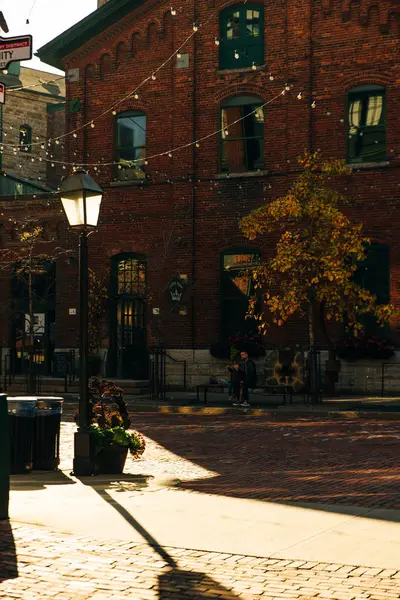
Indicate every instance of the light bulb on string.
{"type": "Point", "coordinates": [42, 146]}
{"type": "Point", "coordinates": [75, 135]}
{"type": "Point", "coordinates": [314, 104]}
{"type": "Point", "coordinates": [178, 55]}
{"type": "Point", "coordinates": [216, 41]}
{"type": "Point", "coordinates": [271, 77]}
{"type": "Point", "coordinates": [92, 125]}
{"type": "Point", "coordinates": [254, 66]}
{"type": "Point", "coordinates": [197, 145]}
{"type": "Point", "coordinates": [170, 154]}
{"type": "Point", "coordinates": [114, 112]}
{"type": "Point", "coordinates": [195, 27]}
{"type": "Point", "coordinates": [299, 95]}
{"type": "Point", "coordinates": [153, 76]}
{"type": "Point", "coordinates": [173, 11]}
{"type": "Point", "coordinates": [236, 54]}
{"type": "Point", "coordinates": [136, 96]}
{"type": "Point", "coordinates": [57, 142]}
{"type": "Point", "coordinates": [226, 132]}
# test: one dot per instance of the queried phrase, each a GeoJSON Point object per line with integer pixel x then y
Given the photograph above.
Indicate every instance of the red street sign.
{"type": "Point", "coordinates": [2, 93]}
{"type": "Point", "coordinates": [14, 49]}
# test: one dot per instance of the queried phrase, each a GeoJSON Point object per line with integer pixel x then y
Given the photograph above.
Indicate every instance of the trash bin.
{"type": "Point", "coordinates": [4, 459]}
{"type": "Point", "coordinates": [21, 419]}
{"type": "Point", "coordinates": [46, 437]}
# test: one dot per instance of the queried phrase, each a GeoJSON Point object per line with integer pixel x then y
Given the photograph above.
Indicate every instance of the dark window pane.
{"type": "Point", "coordinates": [242, 138]}
{"type": "Point", "coordinates": [131, 146]}
{"type": "Point", "coordinates": [236, 289]}
{"type": "Point", "coordinates": [367, 128]}
{"type": "Point", "coordinates": [241, 32]}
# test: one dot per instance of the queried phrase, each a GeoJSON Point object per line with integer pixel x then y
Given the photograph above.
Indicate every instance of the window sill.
{"type": "Point", "coordinates": [130, 183]}
{"type": "Point", "coordinates": [243, 174]}
{"type": "Point", "coordinates": [241, 70]}
{"type": "Point", "coordinates": [369, 165]}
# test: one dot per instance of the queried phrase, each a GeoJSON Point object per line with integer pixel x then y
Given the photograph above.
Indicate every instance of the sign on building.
{"type": "Point", "coordinates": [15, 49]}
{"type": "Point", "coordinates": [2, 93]}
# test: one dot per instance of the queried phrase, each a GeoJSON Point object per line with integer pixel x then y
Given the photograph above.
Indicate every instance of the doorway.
{"type": "Point", "coordinates": [128, 348]}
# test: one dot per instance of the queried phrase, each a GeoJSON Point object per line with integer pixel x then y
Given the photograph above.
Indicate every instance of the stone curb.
{"type": "Point", "coordinates": [264, 412]}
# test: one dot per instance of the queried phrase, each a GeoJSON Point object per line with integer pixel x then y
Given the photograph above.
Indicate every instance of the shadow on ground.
{"type": "Point", "coordinates": [324, 461]}
{"type": "Point", "coordinates": [193, 585]}
{"type": "Point", "coordinates": [38, 480]}
{"type": "Point", "coordinates": [8, 558]}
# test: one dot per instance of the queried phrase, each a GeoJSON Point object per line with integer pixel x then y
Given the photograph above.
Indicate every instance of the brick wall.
{"type": "Point", "coordinates": [188, 214]}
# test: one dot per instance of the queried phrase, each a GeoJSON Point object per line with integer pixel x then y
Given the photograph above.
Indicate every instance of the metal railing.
{"type": "Point", "coordinates": [158, 372]}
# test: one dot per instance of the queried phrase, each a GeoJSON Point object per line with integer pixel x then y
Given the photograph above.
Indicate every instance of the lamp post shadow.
{"type": "Point", "coordinates": [8, 557]}
{"type": "Point", "coordinates": [195, 585]}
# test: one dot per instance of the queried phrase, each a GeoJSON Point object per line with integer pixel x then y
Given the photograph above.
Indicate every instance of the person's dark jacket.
{"type": "Point", "coordinates": [250, 373]}
{"type": "Point", "coordinates": [237, 376]}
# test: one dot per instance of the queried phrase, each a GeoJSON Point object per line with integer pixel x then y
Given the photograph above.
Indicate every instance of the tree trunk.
{"type": "Point", "coordinates": [332, 367]}
{"type": "Point", "coordinates": [312, 357]}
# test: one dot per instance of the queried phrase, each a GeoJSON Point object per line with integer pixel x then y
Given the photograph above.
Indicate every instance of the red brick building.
{"type": "Point", "coordinates": [169, 224]}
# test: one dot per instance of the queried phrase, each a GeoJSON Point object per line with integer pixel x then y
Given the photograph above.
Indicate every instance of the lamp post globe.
{"type": "Point", "coordinates": [81, 199]}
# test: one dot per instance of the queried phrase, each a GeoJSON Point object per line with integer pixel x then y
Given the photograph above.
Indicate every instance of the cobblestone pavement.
{"type": "Point", "coordinates": [346, 462]}
{"type": "Point", "coordinates": [53, 565]}
{"type": "Point", "coordinates": [328, 461]}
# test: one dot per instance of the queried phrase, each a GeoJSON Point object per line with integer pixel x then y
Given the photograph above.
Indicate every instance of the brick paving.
{"type": "Point", "coordinates": [65, 567]}
{"type": "Point", "coordinates": [329, 461]}
{"type": "Point", "coordinates": [350, 461]}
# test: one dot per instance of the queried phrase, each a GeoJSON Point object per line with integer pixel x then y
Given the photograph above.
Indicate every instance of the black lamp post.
{"type": "Point", "coordinates": [81, 199]}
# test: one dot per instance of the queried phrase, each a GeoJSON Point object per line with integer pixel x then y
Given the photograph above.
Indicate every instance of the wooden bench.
{"type": "Point", "coordinates": [285, 390]}
{"type": "Point", "coordinates": [210, 386]}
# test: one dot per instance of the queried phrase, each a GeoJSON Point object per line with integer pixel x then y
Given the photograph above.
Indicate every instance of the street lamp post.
{"type": "Point", "coordinates": [81, 199]}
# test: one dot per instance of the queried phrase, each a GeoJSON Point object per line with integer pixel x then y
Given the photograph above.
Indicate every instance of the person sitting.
{"type": "Point", "coordinates": [237, 381]}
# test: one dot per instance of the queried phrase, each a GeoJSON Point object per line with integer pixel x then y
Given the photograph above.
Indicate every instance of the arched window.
{"type": "Point", "coordinates": [236, 289]}
{"type": "Point", "coordinates": [366, 124]}
{"type": "Point", "coordinates": [25, 138]}
{"type": "Point", "coordinates": [130, 145]}
{"type": "Point", "coordinates": [241, 36]}
{"type": "Point", "coordinates": [242, 135]}
{"type": "Point", "coordinates": [131, 276]}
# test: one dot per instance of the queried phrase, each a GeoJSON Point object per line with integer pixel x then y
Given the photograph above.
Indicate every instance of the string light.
{"type": "Point", "coordinates": [254, 66]}
{"type": "Point", "coordinates": [173, 11]}
{"type": "Point", "coordinates": [314, 104]}
{"type": "Point", "coordinates": [216, 41]}
{"type": "Point", "coordinates": [299, 95]}
{"type": "Point", "coordinates": [153, 76]}
{"type": "Point", "coordinates": [178, 55]}
{"type": "Point", "coordinates": [195, 27]}
{"type": "Point", "coordinates": [271, 77]}
{"type": "Point", "coordinates": [236, 54]}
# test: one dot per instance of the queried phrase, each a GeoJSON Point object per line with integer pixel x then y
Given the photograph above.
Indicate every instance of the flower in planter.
{"type": "Point", "coordinates": [118, 436]}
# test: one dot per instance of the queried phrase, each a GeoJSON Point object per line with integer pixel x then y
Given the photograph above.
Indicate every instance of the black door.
{"type": "Point", "coordinates": [131, 338]}
{"type": "Point", "coordinates": [128, 357]}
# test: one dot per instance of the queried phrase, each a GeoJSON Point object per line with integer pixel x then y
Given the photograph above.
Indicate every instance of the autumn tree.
{"type": "Point", "coordinates": [317, 253]}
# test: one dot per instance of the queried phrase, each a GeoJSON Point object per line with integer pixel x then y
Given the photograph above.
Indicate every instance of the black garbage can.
{"type": "Point", "coordinates": [46, 437]}
{"type": "Point", "coordinates": [21, 420]}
